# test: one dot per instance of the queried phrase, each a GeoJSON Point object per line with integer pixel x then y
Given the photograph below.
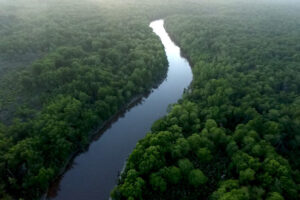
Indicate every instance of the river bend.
{"type": "Point", "coordinates": [94, 173]}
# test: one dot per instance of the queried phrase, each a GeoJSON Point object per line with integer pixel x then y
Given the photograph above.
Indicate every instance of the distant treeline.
{"type": "Point", "coordinates": [93, 64]}
{"type": "Point", "coordinates": [236, 134]}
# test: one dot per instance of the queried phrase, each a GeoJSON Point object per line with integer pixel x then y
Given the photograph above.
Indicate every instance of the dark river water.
{"type": "Point", "coordinates": [94, 173]}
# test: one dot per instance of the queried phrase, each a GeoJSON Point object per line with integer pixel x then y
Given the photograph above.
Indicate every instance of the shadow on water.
{"type": "Point", "coordinates": [54, 188]}
{"type": "Point", "coordinates": [93, 174]}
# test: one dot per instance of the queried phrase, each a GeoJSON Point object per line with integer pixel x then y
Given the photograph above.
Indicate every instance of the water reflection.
{"type": "Point", "coordinates": [94, 173]}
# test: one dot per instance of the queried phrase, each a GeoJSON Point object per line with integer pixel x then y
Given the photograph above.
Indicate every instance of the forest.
{"type": "Point", "coordinates": [89, 66]}
{"type": "Point", "coordinates": [235, 133]}
{"type": "Point", "coordinates": [67, 67]}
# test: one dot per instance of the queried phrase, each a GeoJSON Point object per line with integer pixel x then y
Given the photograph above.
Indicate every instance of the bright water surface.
{"type": "Point", "coordinates": [94, 173]}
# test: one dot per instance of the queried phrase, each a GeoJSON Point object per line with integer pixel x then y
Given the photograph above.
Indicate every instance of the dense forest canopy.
{"type": "Point", "coordinates": [235, 134]}
{"type": "Point", "coordinates": [92, 62]}
{"type": "Point", "coordinates": [68, 66]}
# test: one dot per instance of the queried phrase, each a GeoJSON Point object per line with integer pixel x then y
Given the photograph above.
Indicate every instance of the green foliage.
{"type": "Point", "coordinates": [158, 183]}
{"type": "Point", "coordinates": [238, 123]}
{"type": "Point", "coordinates": [181, 148]}
{"type": "Point", "coordinates": [230, 190]}
{"type": "Point", "coordinates": [133, 186]}
{"type": "Point", "coordinates": [173, 175]}
{"type": "Point", "coordinates": [84, 63]}
{"type": "Point", "coordinates": [197, 178]}
{"type": "Point", "coordinates": [204, 155]}
{"type": "Point", "coordinates": [240, 115]}
{"type": "Point", "coordinates": [151, 159]}
{"type": "Point", "coordinates": [247, 175]}
{"type": "Point", "coordinates": [275, 196]}
{"type": "Point", "coordinates": [185, 166]}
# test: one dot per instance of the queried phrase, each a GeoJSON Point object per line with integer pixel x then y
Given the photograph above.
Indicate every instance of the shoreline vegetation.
{"type": "Point", "coordinates": [61, 97]}
{"type": "Point", "coordinates": [94, 134]}
{"type": "Point", "coordinates": [234, 135]}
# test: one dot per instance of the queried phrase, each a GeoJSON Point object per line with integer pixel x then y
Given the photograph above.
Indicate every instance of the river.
{"type": "Point", "coordinates": [94, 173]}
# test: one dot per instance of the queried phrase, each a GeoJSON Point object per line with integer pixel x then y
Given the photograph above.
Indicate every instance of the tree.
{"type": "Point", "coordinates": [133, 189]}
{"type": "Point", "coordinates": [185, 166]}
{"type": "Point", "coordinates": [274, 196]}
{"type": "Point", "coordinates": [247, 175]}
{"type": "Point", "coordinates": [181, 148]}
{"type": "Point", "coordinates": [151, 159]}
{"type": "Point", "coordinates": [197, 178]}
{"type": "Point", "coordinates": [158, 183]}
{"type": "Point", "coordinates": [173, 175]}
{"type": "Point", "coordinates": [204, 155]}
{"type": "Point", "coordinates": [210, 123]}
{"type": "Point", "coordinates": [194, 141]}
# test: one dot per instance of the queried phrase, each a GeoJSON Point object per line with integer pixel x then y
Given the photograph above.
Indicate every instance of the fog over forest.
{"type": "Point", "coordinates": [72, 70]}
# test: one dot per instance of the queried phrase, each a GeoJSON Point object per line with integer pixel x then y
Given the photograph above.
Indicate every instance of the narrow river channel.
{"type": "Point", "coordinates": [94, 173]}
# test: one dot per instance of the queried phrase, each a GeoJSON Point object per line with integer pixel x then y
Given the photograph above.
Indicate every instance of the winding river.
{"type": "Point", "coordinates": [94, 173]}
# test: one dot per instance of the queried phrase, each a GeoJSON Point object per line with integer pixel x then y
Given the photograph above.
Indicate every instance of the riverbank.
{"type": "Point", "coordinates": [96, 133]}
{"type": "Point", "coordinates": [92, 135]}
{"type": "Point", "coordinates": [96, 171]}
